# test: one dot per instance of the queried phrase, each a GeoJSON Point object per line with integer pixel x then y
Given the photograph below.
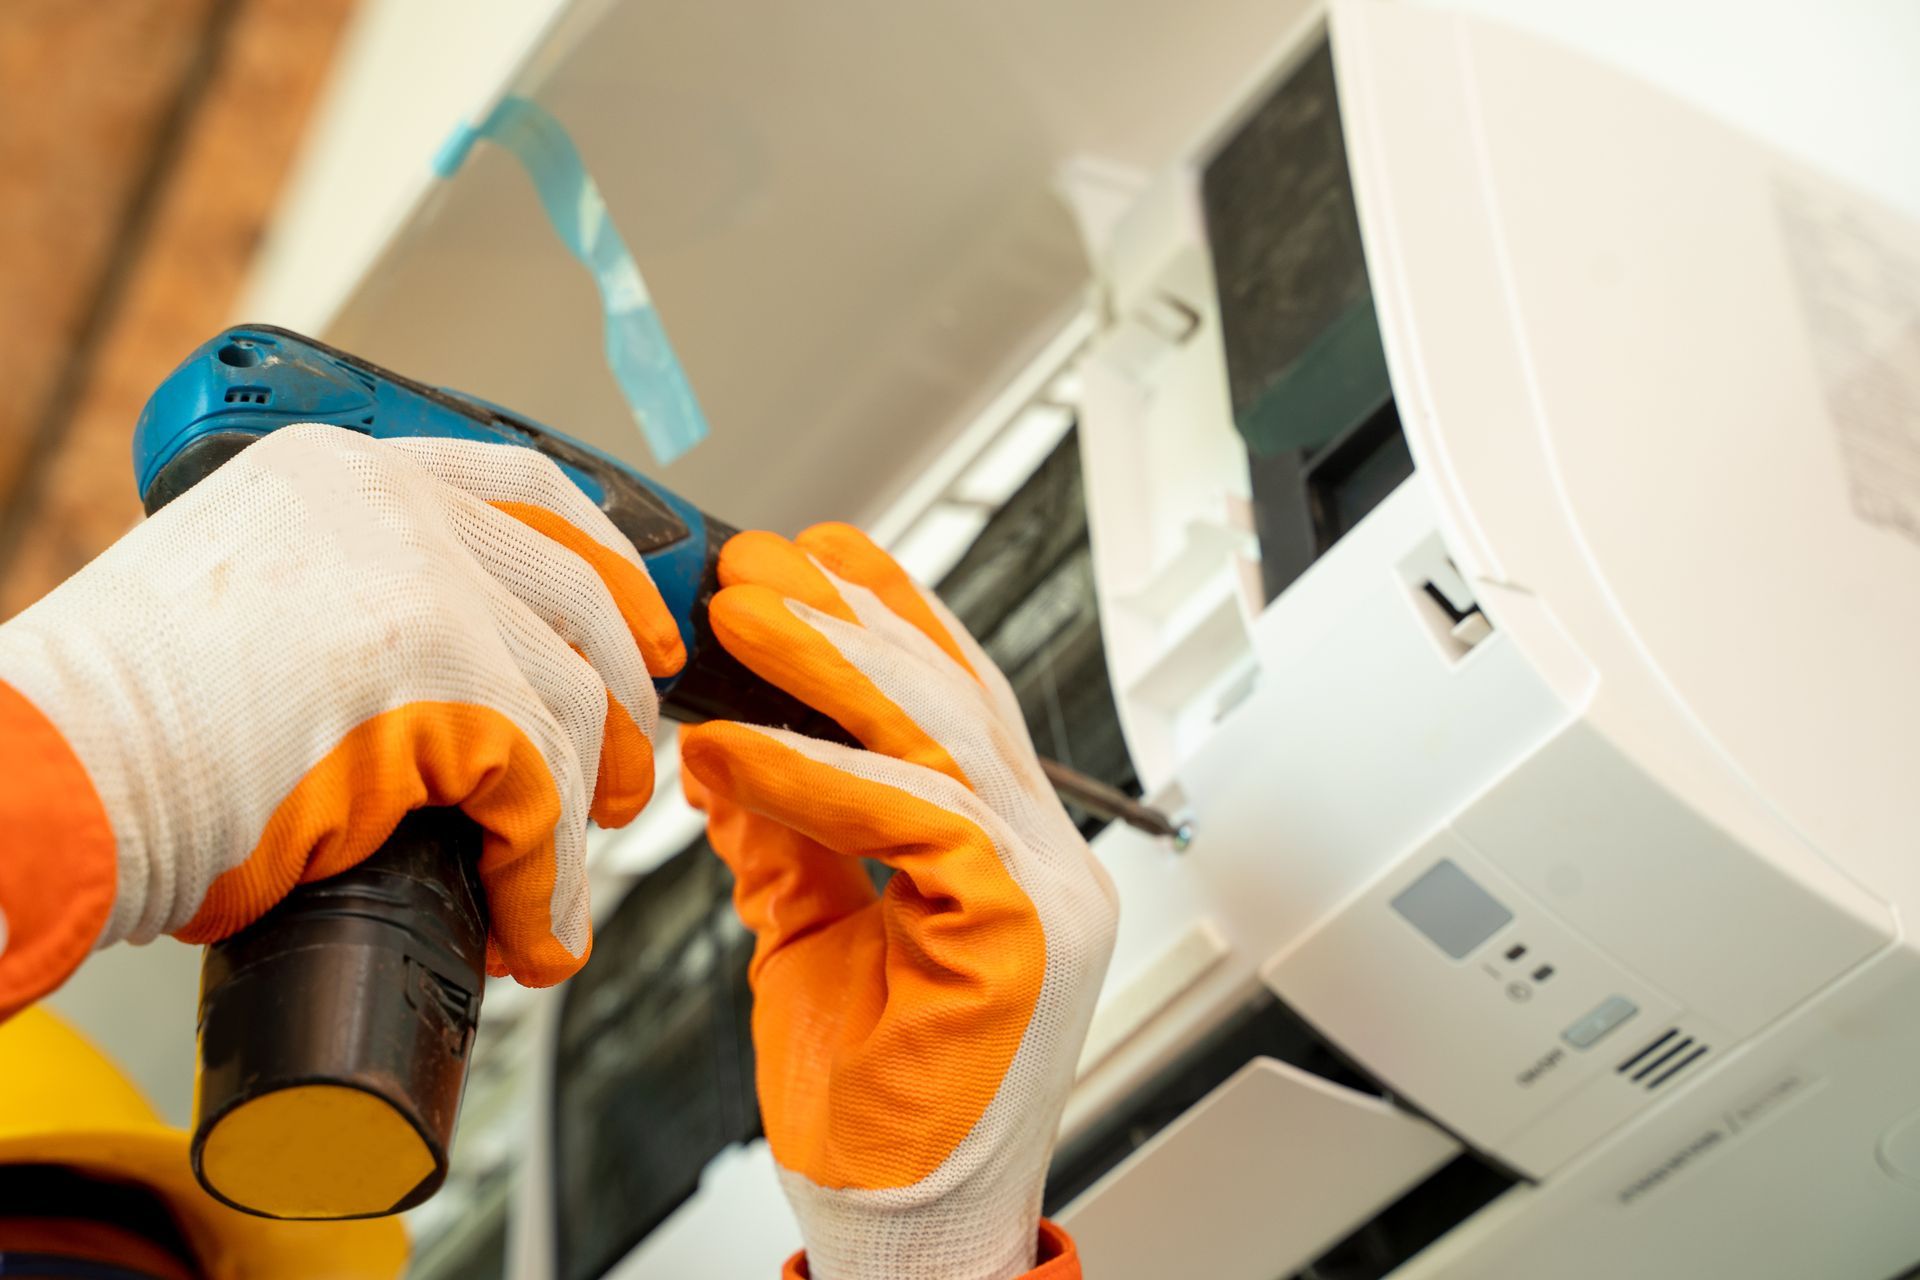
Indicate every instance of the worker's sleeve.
{"type": "Point", "coordinates": [1058, 1259]}
{"type": "Point", "coordinates": [57, 864]}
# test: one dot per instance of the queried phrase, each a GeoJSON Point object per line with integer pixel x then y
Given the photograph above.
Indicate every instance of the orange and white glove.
{"type": "Point", "coordinates": [251, 688]}
{"type": "Point", "coordinates": [915, 1047]}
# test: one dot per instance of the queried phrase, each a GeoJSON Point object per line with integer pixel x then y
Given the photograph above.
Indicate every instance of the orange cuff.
{"type": "Point", "coordinates": [1058, 1258]}
{"type": "Point", "coordinates": [57, 877]}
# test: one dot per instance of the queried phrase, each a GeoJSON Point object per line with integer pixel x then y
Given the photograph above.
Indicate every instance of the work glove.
{"type": "Point", "coordinates": [255, 685]}
{"type": "Point", "coordinates": [915, 1047]}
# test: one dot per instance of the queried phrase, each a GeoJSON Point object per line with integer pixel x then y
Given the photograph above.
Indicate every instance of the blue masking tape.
{"type": "Point", "coordinates": [638, 352]}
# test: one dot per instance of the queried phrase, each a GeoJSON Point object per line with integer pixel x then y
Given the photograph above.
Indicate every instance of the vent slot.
{"type": "Point", "coordinates": [1662, 1058]}
{"type": "Point", "coordinates": [248, 395]}
{"type": "Point", "coordinates": [1443, 599]}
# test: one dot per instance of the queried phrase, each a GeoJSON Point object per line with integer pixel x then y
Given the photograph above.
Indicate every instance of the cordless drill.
{"type": "Point", "coordinates": [334, 1033]}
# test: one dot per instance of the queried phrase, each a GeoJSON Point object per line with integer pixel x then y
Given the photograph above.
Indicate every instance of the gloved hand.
{"type": "Point", "coordinates": [329, 631]}
{"type": "Point", "coordinates": [916, 1047]}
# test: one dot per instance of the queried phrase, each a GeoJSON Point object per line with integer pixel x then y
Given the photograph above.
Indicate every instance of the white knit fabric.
{"type": "Point", "coordinates": [975, 1217]}
{"type": "Point", "coordinates": [202, 665]}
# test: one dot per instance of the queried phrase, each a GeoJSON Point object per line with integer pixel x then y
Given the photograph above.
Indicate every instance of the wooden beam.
{"type": "Point", "coordinates": [206, 223]}
{"type": "Point", "coordinates": [85, 89]}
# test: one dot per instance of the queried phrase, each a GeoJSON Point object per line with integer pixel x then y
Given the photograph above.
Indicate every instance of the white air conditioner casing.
{"type": "Point", "coordinates": [1658, 819]}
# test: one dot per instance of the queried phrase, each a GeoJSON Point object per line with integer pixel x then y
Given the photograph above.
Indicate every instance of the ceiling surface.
{"type": "Point", "coordinates": [847, 213]}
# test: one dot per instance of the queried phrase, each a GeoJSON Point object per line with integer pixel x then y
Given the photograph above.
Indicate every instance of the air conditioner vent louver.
{"type": "Point", "coordinates": [1662, 1058]}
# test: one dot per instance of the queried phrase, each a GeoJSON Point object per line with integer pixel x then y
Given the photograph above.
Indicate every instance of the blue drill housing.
{"type": "Point", "coordinates": [253, 379]}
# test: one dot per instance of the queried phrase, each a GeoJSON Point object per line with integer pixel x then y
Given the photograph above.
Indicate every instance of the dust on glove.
{"type": "Point", "coordinates": [256, 684]}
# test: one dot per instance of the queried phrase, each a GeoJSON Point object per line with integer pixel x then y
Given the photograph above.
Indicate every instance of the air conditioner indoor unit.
{"type": "Point", "coordinates": [1502, 528]}
{"type": "Point", "coordinates": [1556, 771]}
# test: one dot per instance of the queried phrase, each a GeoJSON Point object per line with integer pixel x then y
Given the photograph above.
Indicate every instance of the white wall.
{"type": "Point", "coordinates": [139, 1004]}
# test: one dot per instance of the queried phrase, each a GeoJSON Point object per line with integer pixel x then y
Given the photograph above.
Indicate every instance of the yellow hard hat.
{"type": "Point", "coordinates": [62, 1102]}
